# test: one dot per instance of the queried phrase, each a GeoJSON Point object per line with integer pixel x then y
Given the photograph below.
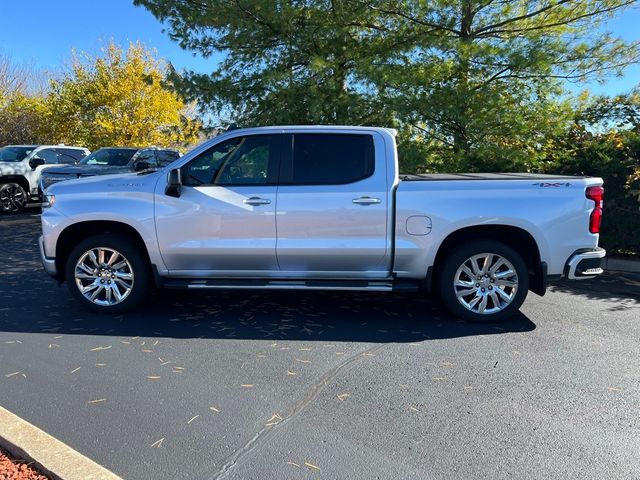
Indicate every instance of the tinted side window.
{"type": "Point", "coordinates": [165, 157]}
{"type": "Point", "coordinates": [49, 155]}
{"type": "Point", "coordinates": [331, 159]}
{"type": "Point", "coordinates": [147, 156]}
{"type": "Point", "coordinates": [70, 155]}
{"type": "Point", "coordinates": [250, 160]}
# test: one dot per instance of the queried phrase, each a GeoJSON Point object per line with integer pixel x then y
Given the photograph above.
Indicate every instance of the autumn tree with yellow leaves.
{"type": "Point", "coordinates": [118, 98]}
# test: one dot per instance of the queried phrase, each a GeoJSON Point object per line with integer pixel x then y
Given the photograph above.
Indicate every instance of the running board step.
{"type": "Point", "coordinates": [278, 284]}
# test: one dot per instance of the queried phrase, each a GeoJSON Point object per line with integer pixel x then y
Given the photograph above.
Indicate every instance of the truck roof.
{"type": "Point", "coordinates": [276, 128]}
{"type": "Point", "coordinates": [48, 146]}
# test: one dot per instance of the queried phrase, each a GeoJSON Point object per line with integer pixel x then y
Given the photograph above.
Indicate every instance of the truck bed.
{"type": "Point", "coordinates": [413, 177]}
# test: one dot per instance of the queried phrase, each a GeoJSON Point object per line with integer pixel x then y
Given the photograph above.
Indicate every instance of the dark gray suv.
{"type": "Point", "coordinates": [108, 160]}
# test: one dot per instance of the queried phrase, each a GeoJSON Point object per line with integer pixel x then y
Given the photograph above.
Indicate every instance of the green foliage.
{"type": "Point", "coordinates": [473, 84]}
{"type": "Point", "coordinates": [286, 62]}
{"type": "Point", "coordinates": [614, 155]}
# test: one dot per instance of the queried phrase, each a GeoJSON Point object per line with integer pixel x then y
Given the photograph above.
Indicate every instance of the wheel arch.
{"type": "Point", "coordinates": [19, 179]}
{"type": "Point", "coordinates": [515, 237]}
{"type": "Point", "coordinates": [77, 232]}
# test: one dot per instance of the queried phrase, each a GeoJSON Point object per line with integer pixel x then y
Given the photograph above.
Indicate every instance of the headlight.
{"type": "Point", "coordinates": [48, 200]}
{"type": "Point", "coordinates": [48, 180]}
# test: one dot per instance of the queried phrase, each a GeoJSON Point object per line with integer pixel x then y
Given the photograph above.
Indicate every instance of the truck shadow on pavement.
{"type": "Point", "coordinates": [306, 316]}
{"type": "Point", "coordinates": [30, 302]}
{"type": "Point", "coordinates": [621, 290]}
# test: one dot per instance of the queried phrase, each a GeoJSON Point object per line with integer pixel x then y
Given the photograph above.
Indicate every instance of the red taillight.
{"type": "Point", "coordinates": [597, 195]}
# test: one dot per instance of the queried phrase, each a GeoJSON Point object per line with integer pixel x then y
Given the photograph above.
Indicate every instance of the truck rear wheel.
{"type": "Point", "coordinates": [13, 198]}
{"type": "Point", "coordinates": [106, 273]}
{"type": "Point", "coordinates": [484, 281]}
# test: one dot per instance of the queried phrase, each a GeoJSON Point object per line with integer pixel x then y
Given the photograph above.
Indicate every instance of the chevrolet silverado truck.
{"type": "Point", "coordinates": [320, 207]}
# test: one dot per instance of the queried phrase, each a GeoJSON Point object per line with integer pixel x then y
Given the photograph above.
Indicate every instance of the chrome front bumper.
{"type": "Point", "coordinates": [585, 264]}
{"type": "Point", "coordinates": [49, 264]}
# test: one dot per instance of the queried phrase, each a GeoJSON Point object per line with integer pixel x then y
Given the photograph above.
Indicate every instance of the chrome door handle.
{"type": "Point", "coordinates": [366, 201]}
{"type": "Point", "coordinates": [255, 201]}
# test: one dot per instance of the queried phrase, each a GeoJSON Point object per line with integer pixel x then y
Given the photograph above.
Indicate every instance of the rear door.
{"type": "Point", "coordinates": [333, 201]}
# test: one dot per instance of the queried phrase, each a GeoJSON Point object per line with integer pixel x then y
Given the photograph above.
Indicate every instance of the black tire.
{"type": "Point", "coordinates": [13, 198]}
{"type": "Point", "coordinates": [463, 254]}
{"type": "Point", "coordinates": [137, 263]}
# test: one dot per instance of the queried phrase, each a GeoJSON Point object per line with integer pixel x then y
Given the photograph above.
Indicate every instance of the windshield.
{"type": "Point", "coordinates": [117, 157]}
{"type": "Point", "coordinates": [14, 154]}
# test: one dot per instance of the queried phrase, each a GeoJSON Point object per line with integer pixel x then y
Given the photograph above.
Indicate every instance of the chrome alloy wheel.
{"type": "Point", "coordinates": [104, 276]}
{"type": "Point", "coordinates": [12, 198]}
{"type": "Point", "coordinates": [486, 283]}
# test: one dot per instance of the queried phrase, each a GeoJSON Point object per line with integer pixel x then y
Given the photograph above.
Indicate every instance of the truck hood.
{"type": "Point", "coordinates": [107, 184]}
{"type": "Point", "coordinates": [77, 171]}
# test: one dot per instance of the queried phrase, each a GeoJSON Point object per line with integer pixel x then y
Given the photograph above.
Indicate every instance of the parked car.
{"type": "Point", "coordinates": [320, 208]}
{"type": "Point", "coordinates": [21, 167]}
{"type": "Point", "coordinates": [110, 160]}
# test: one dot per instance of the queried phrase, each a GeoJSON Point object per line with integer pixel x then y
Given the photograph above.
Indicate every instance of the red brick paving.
{"type": "Point", "coordinates": [11, 469]}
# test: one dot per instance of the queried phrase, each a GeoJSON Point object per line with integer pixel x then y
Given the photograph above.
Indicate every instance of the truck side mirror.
{"type": "Point", "coordinates": [36, 162]}
{"type": "Point", "coordinates": [174, 183]}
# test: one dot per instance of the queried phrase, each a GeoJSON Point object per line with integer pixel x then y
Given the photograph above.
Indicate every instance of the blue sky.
{"type": "Point", "coordinates": [43, 33]}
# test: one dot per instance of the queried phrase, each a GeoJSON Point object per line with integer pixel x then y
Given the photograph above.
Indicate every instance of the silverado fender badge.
{"type": "Point", "coordinates": [125, 184]}
{"type": "Point", "coordinates": [552, 184]}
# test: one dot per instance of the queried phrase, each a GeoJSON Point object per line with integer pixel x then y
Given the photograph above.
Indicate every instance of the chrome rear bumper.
{"type": "Point", "coordinates": [585, 264]}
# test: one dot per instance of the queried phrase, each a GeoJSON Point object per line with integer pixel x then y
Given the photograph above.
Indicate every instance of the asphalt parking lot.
{"type": "Point", "coordinates": [325, 385]}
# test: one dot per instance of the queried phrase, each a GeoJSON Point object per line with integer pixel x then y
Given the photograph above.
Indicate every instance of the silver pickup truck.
{"type": "Point", "coordinates": [320, 207]}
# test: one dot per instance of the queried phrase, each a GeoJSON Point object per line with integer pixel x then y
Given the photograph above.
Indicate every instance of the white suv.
{"type": "Point", "coordinates": [21, 167]}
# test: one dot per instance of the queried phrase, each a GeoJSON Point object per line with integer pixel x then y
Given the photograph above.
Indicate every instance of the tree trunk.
{"type": "Point", "coordinates": [461, 143]}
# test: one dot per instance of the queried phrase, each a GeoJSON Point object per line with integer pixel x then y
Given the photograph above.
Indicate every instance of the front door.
{"type": "Point", "coordinates": [223, 222]}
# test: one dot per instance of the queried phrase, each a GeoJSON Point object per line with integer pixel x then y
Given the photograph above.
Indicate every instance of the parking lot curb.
{"type": "Point", "coordinates": [617, 264]}
{"type": "Point", "coordinates": [48, 455]}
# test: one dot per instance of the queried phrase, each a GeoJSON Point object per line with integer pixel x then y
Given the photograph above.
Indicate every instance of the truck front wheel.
{"type": "Point", "coordinates": [484, 281]}
{"type": "Point", "coordinates": [107, 273]}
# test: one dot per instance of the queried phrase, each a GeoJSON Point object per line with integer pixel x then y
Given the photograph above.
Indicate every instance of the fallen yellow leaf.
{"type": "Point", "coordinates": [157, 443]}
{"type": "Point", "coordinates": [192, 419]}
{"type": "Point", "coordinates": [311, 466]}
{"type": "Point", "coordinates": [97, 349]}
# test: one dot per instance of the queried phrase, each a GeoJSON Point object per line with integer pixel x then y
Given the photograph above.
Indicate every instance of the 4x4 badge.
{"type": "Point", "coordinates": [552, 184]}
